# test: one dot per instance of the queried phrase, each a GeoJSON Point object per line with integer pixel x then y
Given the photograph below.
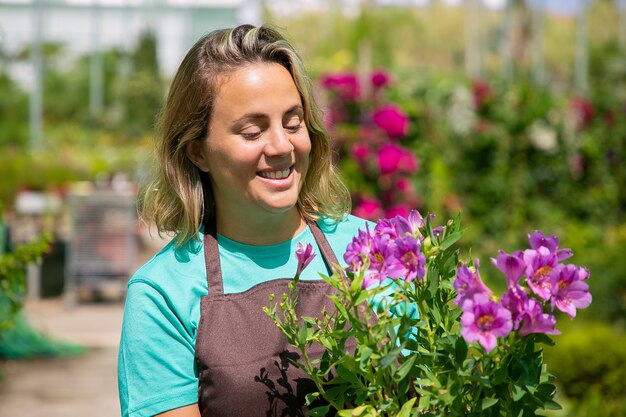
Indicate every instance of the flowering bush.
{"type": "Point", "coordinates": [416, 332]}
{"type": "Point", "coordinates": [368, 131]}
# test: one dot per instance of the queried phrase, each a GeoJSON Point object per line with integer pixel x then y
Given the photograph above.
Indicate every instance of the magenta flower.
{"type": "Point", "coordinates": [397, 210]}
{"type": "Point", "coordinates": [345, 84]}
{"type": "Point", "coordinates": [392, 120]}
{"type": "Point", "coordinates": [369, 208]}
{"type": "Point", "coordinates": [534, 320]}
{"type": "Point", "coordinates": [387, 229]}
{"type": "Point", "coordinates": [382, 258]}
{"type": "Point", "coordinates": [538, 239]}
{"type": "Point", "coordinates": [569, 292]}
{"type": "Point", "coordinates": [539, 263]}
{"type": "Point", "coordinates": [468, 284]}
{"type": "Point", "coordinates": [305, 255]}
{"type": "Point", "coordinates": [380, 78]}
{"type": "Point", "coordinates": [393, 158]}
{"type": "Point", "coordinates": [483, 320]}
{"type": "Point", "coordinates": [514, 300]}
{"type": "Point", "coordinates": [360, 246]}
{"type": "Point", "coordinates": [360, 152]}
{"type": "Point", "coordinates": [408, 253]}
{"type": "Point", "coordinates": [512, 266]}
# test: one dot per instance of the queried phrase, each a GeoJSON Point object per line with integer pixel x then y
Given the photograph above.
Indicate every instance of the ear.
{"type": "Point", "coordinates": [195, 152]}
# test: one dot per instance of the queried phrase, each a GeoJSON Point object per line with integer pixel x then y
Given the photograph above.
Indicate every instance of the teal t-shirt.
{"type": "Point", "coordinates": [156, 364]}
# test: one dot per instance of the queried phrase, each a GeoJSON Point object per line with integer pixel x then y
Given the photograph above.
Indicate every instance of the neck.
{"type": "Point", "coordinates": [257, 230]}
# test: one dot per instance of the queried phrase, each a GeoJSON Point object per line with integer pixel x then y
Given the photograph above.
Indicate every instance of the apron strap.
{"type": "Point", "coordinates": [212, 256]}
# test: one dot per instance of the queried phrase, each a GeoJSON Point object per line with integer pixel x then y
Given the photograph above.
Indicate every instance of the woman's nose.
{"type": "Point", "coordinates": [278, 143]}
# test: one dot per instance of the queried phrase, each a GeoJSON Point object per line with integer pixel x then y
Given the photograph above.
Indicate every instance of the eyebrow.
{"type": "Point", "coordinates": [252, 116]}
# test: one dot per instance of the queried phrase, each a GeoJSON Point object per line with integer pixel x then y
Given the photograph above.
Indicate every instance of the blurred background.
{"type": "Point", "coordinates": [510, 112]}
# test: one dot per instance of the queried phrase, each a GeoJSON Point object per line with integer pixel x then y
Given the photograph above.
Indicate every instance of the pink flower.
{"type": "Point", "coordinates": [534, 320]}
{"type": "Point", "coordinates": [360, 152]}
{"type": "Point", "coordinates": [392, 120]}
{"type": "Point", "coordinates": [393, 158]}
{"type": "Point", "coordinates": [369, 209]}
{"type": "Point", "coordinates": [345, 84]}
{"type": "Point", "coordinates": [512, 266]}
{"type": "Point", "coordinates": [468, 284]}
{"type": "Point", "coordinates": [397, 210]}
{"type": "Point", "coordinates": [380, 78]}
{"type": "Point", "coordinates": [305, 255]}
{"type": "Point", "coordinates": [483, 320]}
{"type": "Point", "coordinates": [569, 292]}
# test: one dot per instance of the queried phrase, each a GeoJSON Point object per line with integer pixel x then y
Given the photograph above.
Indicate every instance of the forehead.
{"type": "Point", "coordinates": [255, 85]}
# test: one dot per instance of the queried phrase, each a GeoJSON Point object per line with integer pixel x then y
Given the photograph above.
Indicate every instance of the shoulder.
{"type": "Point", "coordinates": [340, 233]}
{"type": "Point", "coordinates": [172, 268]}
{"type": "Point", "coordinates": [348, 225]}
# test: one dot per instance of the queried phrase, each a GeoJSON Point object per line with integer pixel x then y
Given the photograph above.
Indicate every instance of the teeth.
{"type": "Point", "coordinates": [275, 175]}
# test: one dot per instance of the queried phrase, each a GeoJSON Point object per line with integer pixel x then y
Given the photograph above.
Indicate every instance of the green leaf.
{"type": "Point", "coordinates": [517, 393]}
{"type": "Point", "coordinates": [405, 411]}
{"type": "Point", "coordinates": [460, 350]}
{"type": "Point", "coordinates": [488, 402]}
{"type": "Point", "coordinates": [310, 397]}
{"type": "Point", "coordinates": [451, 239]}
{"type": "Point", "coordinates": [551, 405]}
{"type": "Point", "coordinates": [405, 368]}
{"type": "Point", "coordinates": [319, 411]}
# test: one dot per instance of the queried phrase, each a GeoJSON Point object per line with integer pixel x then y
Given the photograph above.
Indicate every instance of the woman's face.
{"type": "Point", "coordinates": [257, 149]}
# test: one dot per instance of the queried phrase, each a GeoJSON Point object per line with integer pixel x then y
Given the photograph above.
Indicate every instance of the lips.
{"type": "Point", "coordinates": [275, 174]}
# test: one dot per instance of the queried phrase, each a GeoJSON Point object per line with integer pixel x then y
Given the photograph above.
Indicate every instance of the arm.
{"type": "Point", "coordinates": [188, 411]}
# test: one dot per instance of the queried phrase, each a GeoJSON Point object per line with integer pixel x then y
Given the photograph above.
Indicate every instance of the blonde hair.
{"type": "Point", "coordinates": [179, 197]}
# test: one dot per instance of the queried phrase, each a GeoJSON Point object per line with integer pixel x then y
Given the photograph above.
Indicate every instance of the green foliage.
{"type": "Point", "coordinates": [143, 94]}
{"type": "Point", "coordinates": [13, 113]}
{"type": "Point", "coordinates": [13, 277]}
{"type": "Point", "coordinates": [589, 361]}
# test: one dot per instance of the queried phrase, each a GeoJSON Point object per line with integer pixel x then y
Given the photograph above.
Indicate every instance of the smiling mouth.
{"type": "Point", "coordinates": [275, 175]}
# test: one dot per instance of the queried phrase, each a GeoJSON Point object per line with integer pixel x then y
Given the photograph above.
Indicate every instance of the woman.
{"type": "Point", "coordinates": [243, 176]}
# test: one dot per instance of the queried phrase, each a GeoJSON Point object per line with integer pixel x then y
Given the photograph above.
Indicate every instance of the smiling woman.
{"type": "Point", "coordinates": [243, 177]}
{"type": "Point", "coordinates": [257, 154]}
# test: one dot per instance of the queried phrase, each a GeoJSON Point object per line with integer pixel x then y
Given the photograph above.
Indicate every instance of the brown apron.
{"type": "Point", "coordinates": [243, 359]}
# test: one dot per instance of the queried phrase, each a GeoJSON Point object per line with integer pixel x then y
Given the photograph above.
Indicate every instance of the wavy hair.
{"type": "Point", "coordinates": [179, 196]}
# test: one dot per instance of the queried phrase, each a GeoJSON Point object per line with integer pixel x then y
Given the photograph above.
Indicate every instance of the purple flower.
{"type": "Point", "coordinates": [360, 246]}
{"type": "Point", "coordinates": [512, 266]}
{"type": "Point", "coordinates": [539, 263]}
{"type": "Point", "coordinates": [468, 284]}
{"type": "Point", "coordinates": [437, 231]}
{"type": "Point", "coordinates": [534, 320]}
{"type": "Point", "coordinates": [305, 255]}
{"type": "Point", "coordinates": [392, 120]}
{"type": "Point", "coordinates": [514, 300]}
{"type": "Point", "coordinates": [382, 259]}
{"type": "Point", "coordinates": [483, 320]}
{"type": "Point", "coordinates": [411, 224]}
{"type": "Point", "coordinates": [569, 292]}
{"type": "Point", "coordinates": [408, 253]}
{"type": "Point", "coordinates": [372, 278]}
{"type": "Point", "coordinates": [538, 239]}
{"type": "Point", "coordinates": [386, 228]}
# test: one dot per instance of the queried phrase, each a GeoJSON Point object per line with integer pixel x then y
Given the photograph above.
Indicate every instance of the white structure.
{"type": "Point", "coordinates": [90, 25]}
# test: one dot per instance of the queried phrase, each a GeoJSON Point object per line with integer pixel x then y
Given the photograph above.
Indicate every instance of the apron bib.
{"type": "Point", "coordinates": [243, 360]}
